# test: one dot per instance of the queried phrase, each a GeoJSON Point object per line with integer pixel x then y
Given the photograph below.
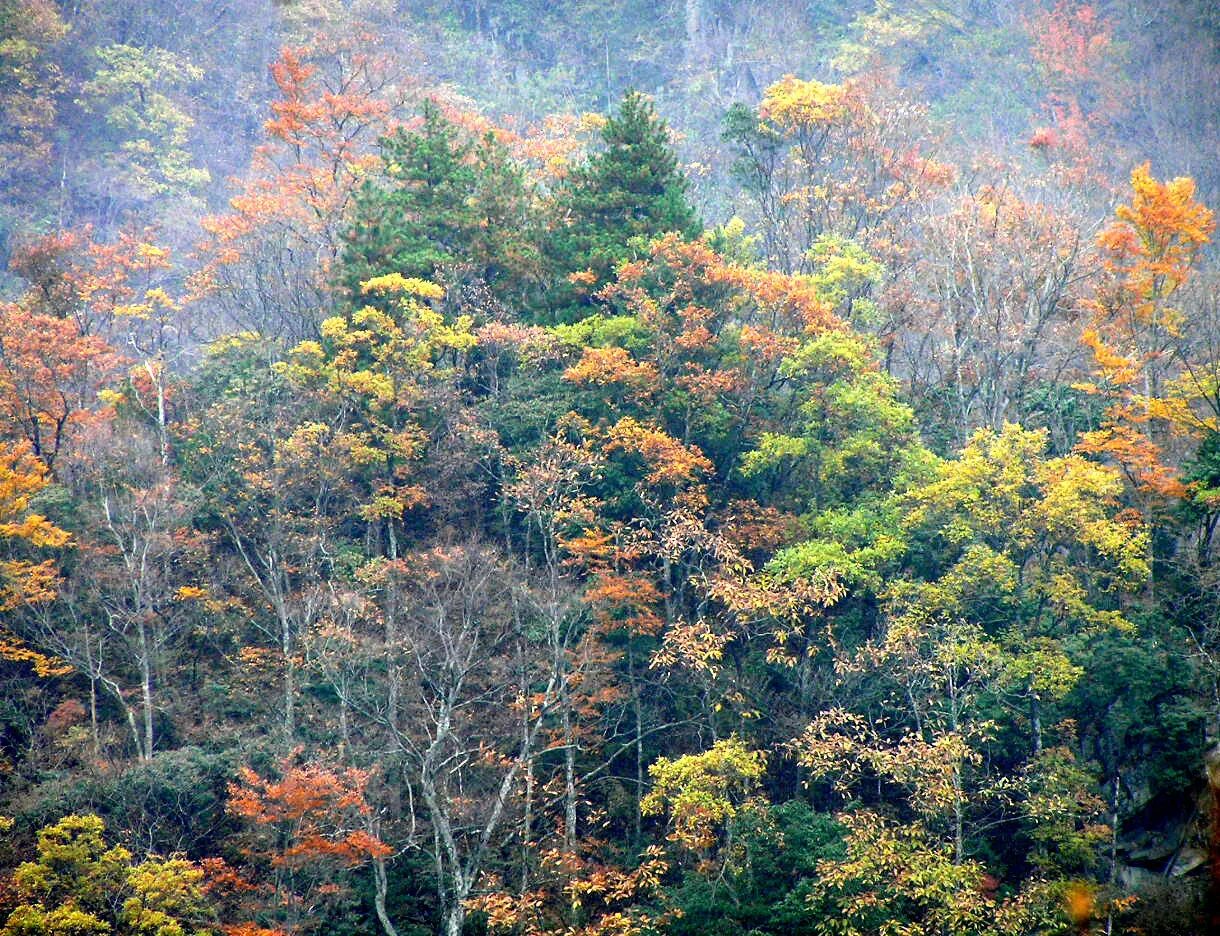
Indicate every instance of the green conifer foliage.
{"type": "Point", "coordinates": [445, 208]}
{"type": "Point", "coordinates": [418, 217]}
{"type": "Point", "coordinates": [633, 189]}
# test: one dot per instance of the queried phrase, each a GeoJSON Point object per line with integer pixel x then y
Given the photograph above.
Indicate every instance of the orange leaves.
{"type": "Point", "coordinates": [668, 462]}
{"type": "Point", "coordinates": [1070, 40]}
{"type": "Point", "coordinates": [1072, 44]}
{"type": "Point", "coordinates": [310, 110]}
{"type": "Point", "coordinates": [335, 100]}
{"type": "Point", "coordinates": [613, 367]}
{"type": "Point", "coordinates": [327, 111]}
{"type": "Point", "coordinates": [751, 526]}
{"type": "Point", "coordinates": [303, 792]}
{"type": "Point", "coordinates": [578, 895]}
{"type": "Point", "coordinates": [251, 929]}
{"type": "Point", "coordinates": [321, 813]}
{"type": "Point", "coordinates": [1157, 237]}
{"type": "Point", "coordinates": [1117, 369]}
{"type": "Point", "coordinates": [1141, 458]}
{"type": "Point", "coordinates": [50, 374]}
{"type": "Point", "coordinates": [1136, 338]}
{"type": "Point", "coordinates": [686, 289]}
{"type": "Point", "coordinates": [626, 600]}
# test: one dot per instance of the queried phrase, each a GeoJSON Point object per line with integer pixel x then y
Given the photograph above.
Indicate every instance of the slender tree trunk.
{"type": "Point", "coordinates": [146, 689]}
{"type": "Point", "coordinates": [97, 741]}
{"type": "Point", "coordinates": [1035, 721]}
{"type": "Point", "coordinates": [381, 886]}
{"type": "Point", "coordinates": [93, 677]}
{"type": "Point", "coordinates": [527, 818]}
{"type": "Point", "coordinates": [129, 714]}
{"type": "Point", "coordinates": [639, 740]}
{"type": "Point", "coordinates": [290, 688]}
{"type": "Point", "coordinates": [569, 777]}
{"type": "Point", "coordinates": [958, 847]}
{"type": "Point", "coordinates": [1213, 778]}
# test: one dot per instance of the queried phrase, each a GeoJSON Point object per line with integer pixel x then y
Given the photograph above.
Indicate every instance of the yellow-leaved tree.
{"type": "Point", "coordinates": [25, 579]}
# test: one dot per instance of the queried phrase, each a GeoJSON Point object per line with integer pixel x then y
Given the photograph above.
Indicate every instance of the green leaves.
{"type": "Point", "coordinates": [133, 89]}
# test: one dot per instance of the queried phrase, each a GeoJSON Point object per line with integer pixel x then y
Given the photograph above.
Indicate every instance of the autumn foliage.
{"type": "Point", "coordinates": [785, 503]}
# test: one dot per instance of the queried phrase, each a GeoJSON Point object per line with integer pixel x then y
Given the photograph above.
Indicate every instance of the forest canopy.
{"type": "Point", "coordinates": [636, 468]}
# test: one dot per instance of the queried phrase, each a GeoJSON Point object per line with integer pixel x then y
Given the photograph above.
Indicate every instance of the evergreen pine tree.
{"type": "Point", "coordinates": [632, 189]}
{"type": "Point", "coordinates": [443, 207]}
{"type": "Point", "coordinates": [418, 218]}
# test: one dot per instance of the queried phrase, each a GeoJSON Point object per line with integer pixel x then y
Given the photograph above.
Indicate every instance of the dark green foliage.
{"type": "Point", "coordinates": [445, 207]}
{"type": "Point", "coordinates": [417, 220]}
{"type": "Point", "coordinates": [629, 192]}
{"type": "Point", "coordinates": [770, 895]}
{"type": "Point", "coordinates": [173, 803]}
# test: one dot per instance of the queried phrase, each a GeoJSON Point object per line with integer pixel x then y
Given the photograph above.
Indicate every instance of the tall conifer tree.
{"type": "Point", "coordinates": [633, 189]}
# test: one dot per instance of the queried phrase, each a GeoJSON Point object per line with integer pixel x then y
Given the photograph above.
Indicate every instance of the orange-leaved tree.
{"type": "Point", "coordinates": [267, 260]}
{"type": "Point", "coordinates": [309, 826]}
{"type": "Point", "coordinates": [1136, 332]}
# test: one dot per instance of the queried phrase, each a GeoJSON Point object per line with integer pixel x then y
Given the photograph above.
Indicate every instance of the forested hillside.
{"type": "Point", "coordinates": [609, 468]}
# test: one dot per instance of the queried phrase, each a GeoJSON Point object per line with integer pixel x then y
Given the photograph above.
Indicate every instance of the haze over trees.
{"type": "Point", "coordinates": [609, 469]}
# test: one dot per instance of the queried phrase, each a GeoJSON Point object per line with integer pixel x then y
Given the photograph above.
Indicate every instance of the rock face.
{"type": "Point", "coordinates": [1169, 854]}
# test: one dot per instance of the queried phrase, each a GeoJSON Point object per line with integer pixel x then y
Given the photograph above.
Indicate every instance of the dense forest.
{"type": "Point", "coordinates": [609, 468]}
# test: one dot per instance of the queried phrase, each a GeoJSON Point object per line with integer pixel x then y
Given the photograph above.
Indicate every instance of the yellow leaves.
{"type": "Point", "coordinates": [332, 329]}
{"type": "Point", "coordinates": [693, 644]}
{"type": "Point", "coordinates": [986, 488]}
{"type": "Point", "coordinates": [373, 371]}
{"type": "Point", "coordinates": [152, 254]}
{"type": "Point", "coordinates": [395, 284]}
{"type": "Point", "coordinates": [899, 873]}
{"type": "Point", "coordinates": [592, 121]}
{"type": "Point", "coordinates": [1034, 532]}
{"type": "Point", "coordinates": [227, 344]}
{"type": "Point", "coordinates": [1080, 501]}
{"type": "Point", "coordinates": [22, 581]}
{"type": "Point", "coordinates": [704, 793]}
{"type": "Point", "coordinates": [75, 872]}
{"type": "Point", "coordinates": [1079, 902]}
{"type": "Point", "coordinates": [795, 104]}
{"type": "Point", "coordinates": [372, 385]}
{"type": "Point", "coordinates": [15, 650]}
